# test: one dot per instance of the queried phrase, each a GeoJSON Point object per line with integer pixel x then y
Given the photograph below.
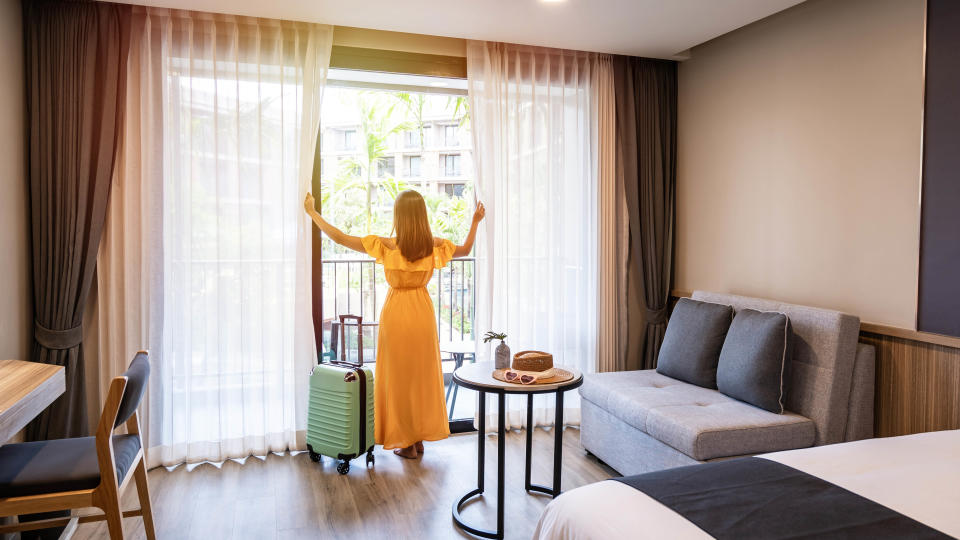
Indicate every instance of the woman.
{"type": "Point", "coordinates": [409, 405]}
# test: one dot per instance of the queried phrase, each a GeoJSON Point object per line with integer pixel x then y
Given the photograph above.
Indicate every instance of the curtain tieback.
{"type": "Point", "coordinates": [657, 316]}
{"type": "Point", "coordinates": [58, 339]}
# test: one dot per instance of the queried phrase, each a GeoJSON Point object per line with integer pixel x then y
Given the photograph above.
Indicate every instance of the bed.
{"type": "Point", "coordinates": [916, 476]}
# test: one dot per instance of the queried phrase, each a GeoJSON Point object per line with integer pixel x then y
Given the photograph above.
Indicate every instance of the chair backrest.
{"type": "Point", "coordinates": [335, 339]}
{"type": "Point", "coordinates": [821, 367]}
{"type": "Point", "coordinates": [137, 375]}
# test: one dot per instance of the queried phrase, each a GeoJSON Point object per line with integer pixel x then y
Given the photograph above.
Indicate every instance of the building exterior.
{"type": "Point", "coordinates": [441, 162]}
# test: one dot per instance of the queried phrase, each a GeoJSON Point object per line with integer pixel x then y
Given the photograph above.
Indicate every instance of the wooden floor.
{"type": "Point", "coordinates": [292, 497]}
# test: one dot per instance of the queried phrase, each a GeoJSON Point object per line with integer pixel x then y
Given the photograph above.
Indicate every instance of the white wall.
{"type": "Point", "coordinates": [799, 159]}
{"type": "Point", "coordinates": [16, 314]}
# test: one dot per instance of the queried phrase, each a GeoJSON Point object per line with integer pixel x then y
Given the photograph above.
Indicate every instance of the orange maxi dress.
{"type": "Point", "coordinates": [409, 403]}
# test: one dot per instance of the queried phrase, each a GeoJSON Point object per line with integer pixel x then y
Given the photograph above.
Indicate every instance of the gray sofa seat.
{"type": "Point", "coordinates": [699, 422]}
{"type": "Point", "coordinates": [641, 421]}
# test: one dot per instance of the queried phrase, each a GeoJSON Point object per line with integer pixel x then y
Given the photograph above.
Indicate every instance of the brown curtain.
{"type": "Point", "coordinates": [75, 61]}
{"type": "Point", "coordinates": [646, 95]}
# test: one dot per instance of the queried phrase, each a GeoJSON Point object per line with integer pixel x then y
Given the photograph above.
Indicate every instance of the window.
{"type": "Point", "coordinates": [411, 139]}
{"type": "Point", "coordinates": [450, 164]}
{"type": "Point", "coordinates": [347, 139]}
{"type": "Point", "coordinates": [453, 190]}
{"type": "Point", "coordinates": [386, 167]}
{"type": "Point", "coordinates": [413, 166]}
{"type": "Point", "coordinates": [450, 136]}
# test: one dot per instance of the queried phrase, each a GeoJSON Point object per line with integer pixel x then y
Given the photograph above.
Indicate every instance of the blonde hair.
{"type": "Point", "coordinates": [410, 223]}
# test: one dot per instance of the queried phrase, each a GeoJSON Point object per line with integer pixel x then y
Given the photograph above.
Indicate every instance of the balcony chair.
{"type": "Point", "coordinates": [331, 353]}
{"type": "Point", "coordinates": [68, 474]}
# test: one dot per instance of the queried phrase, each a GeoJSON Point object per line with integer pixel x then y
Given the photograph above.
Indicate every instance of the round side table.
{"type": "Point", "coordinates": [479, 377]}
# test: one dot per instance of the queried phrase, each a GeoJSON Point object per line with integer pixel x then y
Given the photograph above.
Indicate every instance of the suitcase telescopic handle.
{"type": "Point", "coordinates": [343, 340]}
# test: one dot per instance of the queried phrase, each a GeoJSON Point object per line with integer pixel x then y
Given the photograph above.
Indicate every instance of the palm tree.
{"type": "Point", "coordinates": [377, 123]}
{"type": "Point", "coordinates": [382, 115]}
{"type": "Point", "coordinates": [338, 199]}
{"type": "Point", "coordinates": [393, 186]}
{"type": "Point", "coordinates": [461, 110]}
{"type": "Point", "coordinates": [414, 104]}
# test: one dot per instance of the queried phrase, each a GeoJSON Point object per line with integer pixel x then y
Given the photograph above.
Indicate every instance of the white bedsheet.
{"type": "Point", "coordinates": [915, 475]}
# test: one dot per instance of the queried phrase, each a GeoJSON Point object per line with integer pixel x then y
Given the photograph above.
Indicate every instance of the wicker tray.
{"type": "Point", "coordinates": [559, 375]}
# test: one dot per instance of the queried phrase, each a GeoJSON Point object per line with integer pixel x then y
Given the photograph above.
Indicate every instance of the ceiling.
{"type": "Point", "coordinates": [653, 28]}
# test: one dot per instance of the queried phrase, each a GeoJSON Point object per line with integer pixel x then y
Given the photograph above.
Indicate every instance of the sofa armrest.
{"type": "Point", "coordinates": [860, 411]}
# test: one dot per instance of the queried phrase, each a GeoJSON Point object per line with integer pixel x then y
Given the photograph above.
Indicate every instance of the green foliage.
{"type": "Point", "coordinates": [360, 202]}
{"type": "Point", "coordinates": [414, 105]}
{"type": "Point", "coordinates": [490, 336]}
{"type": "Point", "coordinates": [461, 110]}
{"type": "Point", "coordinates": [459, 321]}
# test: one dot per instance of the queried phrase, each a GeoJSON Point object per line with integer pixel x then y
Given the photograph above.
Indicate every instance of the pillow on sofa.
{"type": "Point", "coordinates": [753, 361]}
{"type": "Point", "coordinates": [691, 345]}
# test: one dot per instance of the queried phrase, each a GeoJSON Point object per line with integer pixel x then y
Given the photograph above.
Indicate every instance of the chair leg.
{"type": "Point", "coordinates": [143, 493]}
{"type": "Point", "coordinates": [114, 517]}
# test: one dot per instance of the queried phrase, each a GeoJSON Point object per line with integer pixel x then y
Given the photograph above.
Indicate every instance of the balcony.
{"type": "Point", "coordinates": [356, 286]}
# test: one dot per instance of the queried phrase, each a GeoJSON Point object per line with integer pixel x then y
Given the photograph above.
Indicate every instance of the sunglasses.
{"type": "Point", "coordinates": [514, 377]}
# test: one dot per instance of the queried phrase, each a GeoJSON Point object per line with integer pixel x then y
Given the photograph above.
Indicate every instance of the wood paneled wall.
{"type": "Point", "coordinates": [917, 385]}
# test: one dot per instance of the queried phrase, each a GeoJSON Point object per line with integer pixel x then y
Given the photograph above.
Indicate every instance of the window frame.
{"type": "Point", "coordinates": [457, 171]}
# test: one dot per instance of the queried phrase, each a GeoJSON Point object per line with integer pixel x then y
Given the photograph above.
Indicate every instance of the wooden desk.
{"type": "Point", "coordinates": [26, 388]}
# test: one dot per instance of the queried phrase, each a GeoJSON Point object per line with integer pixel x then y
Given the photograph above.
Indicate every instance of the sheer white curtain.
{"type": "Point", "coordinates": [534, 118]}
{"type": "Point", "coordinates": [224, 302]}
{"type": "Point", "coordinates": [614, 233]}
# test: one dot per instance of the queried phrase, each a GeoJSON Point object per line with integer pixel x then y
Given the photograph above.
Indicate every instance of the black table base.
{"type": "Point", "coordinates": [501, 436]}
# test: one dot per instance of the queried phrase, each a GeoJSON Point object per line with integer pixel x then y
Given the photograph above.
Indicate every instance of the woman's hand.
{"type": "Point", "coordinates": [479, 213]}
{"type": "Point", "coordinates": [310, 204]}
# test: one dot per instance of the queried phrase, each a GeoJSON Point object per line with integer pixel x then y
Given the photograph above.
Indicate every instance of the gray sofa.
{"type": "Point", "coordinates": [641, 421]}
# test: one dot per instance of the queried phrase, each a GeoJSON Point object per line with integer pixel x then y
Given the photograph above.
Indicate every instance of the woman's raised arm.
{"type": "Point", "coordinates": [464, 250]}
{"type": "Point", "coordinates": [335, 234]}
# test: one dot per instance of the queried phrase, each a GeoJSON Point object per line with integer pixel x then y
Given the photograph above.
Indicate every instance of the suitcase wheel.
{"type": "Point", "coordinates": [314, 457]}
{"type": "Point", "coordinates": [369, 458]}
{"type": "Point", "coordinates": [343, 467]}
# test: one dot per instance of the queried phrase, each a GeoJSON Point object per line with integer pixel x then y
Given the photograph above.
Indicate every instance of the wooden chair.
{"type": "Point", "coordinates": [68, 474]}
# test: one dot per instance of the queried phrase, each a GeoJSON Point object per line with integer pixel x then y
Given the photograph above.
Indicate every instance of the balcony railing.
{"type": "Point", "coordinates": [358, 287]}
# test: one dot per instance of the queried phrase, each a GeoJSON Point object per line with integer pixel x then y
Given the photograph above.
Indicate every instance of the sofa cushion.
{"type": "Point", "coordinates": [700, 422]}
{"type": "Point", "coordinates": [754, 359]}
{"type": "Point", "coordinates": [691, 345]}
{"type": "Point", "coordinates": [821, 366]}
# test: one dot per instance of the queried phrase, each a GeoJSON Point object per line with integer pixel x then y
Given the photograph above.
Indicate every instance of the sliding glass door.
{"type": "Point", "coordinates": [382, 134]}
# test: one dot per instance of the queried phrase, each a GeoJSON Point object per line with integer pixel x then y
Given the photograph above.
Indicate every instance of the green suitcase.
{"type": "Point", "coordinates": [340, 413]}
